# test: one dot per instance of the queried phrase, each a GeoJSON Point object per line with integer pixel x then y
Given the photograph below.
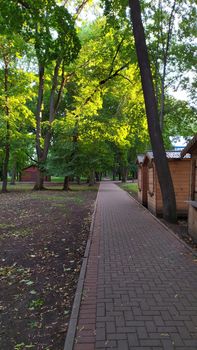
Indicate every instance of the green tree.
{"type": "Point", "coordinates": [50, 30]}
{"type": "Point", "coordinates": [15, 91]}
{"type": "Point", "coordinates": [164, 177]}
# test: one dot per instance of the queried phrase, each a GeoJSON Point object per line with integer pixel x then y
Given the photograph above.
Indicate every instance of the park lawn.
{"type": "Point", "coordinates": [42, 240]}
{"type": "Point", "coordinates": [131, 188]}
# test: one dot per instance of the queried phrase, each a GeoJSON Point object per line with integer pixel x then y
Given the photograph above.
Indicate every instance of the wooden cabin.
{"type": "Point", "coordinates": [180, 172]}
{"type": "Point", "coordinates": [142, 179]}
{"type": "Point", "coordinates": [29, 174]}
{"type": "Point", "coordinates": [192, 208]}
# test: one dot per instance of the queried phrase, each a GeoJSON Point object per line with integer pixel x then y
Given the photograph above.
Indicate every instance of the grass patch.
{"type": "Point", "coordinates": [21, 233]}
{"type": "Point", "coordinates": [59, 205]}
{"type": "Point", "coordinates": [20, 186]}
{"type": "Point", "coordinates": [75, 187]}
{"type": "Point", "coordinates": [57, 179]}
{"type": "Point", "coordinates": [36, 304]}
{"type": "Point", "coordinates": [13, 273]}
{"type": "Point", "coordinates": [6, 226]}
{"type": "Point", "coordinates": [17, 233]}
{"type": "Point", "coordinates": [55, 184]}
{"type": "Point", "coordinates": [22, 346]}
{"type": "Point", "coordinates": [44, 197]}
{"type": "Point", "coordinates": [129, 187]}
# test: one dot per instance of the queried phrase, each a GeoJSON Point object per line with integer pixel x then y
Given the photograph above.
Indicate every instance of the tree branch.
{"type": "Point", "coordinates": [170, 26]}
{"type": "Point", "coordinates": [116, 53]}
{"type": "Point", "coordinates": [121, 75]}
{"type": "Point", "coordinates": [80, 8]}
{"type": "Point", "coordinates": [102, 82]}
{"type": "Point", "coordinates": [33, 160]}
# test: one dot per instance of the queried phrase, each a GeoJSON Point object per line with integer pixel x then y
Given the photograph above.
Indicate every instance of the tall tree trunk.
{"type": "Point", "coordinates": [7, 138]}
{"type": "Point", "coordinates": [52, 110]}
{"type": "Point", "coordinates": [163, 172]}
{"type": "Point", "coordinates": [66, 184]}
{"type": "Point", "coordinates": [124, 174]}
{"type": "Point", "coordinates": [97, 176]}
{"type": "Point", "coordinates": [39, 111]}
{"type": "Point", "coordinates": [39, 185]}
{"type": "Point", "coordinates": [6, 159]}
{"type": "Point", "coordinates": [78, 180]}
{"type": "Point", "coordinates": [42, 152]}
{"type": "Point", "coordinates": [165, 61]}
{"type": "Point", "coordinates": [13, 179]}
{"type": "Point", "coordinates": [92, 178]}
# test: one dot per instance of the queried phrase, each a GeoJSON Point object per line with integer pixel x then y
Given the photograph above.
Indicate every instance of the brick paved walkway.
{"type": "Point", "coordinates": [140, 290]}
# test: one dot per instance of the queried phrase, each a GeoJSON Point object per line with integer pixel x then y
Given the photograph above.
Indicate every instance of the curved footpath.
{"type": "Point", "coordinates": [140, 287]}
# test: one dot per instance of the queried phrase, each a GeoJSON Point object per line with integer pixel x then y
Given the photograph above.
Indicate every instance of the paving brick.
{"type": "Point", "coordinates": [106, 344]}
{"type": "Point", "coordinates": [84, 347]}
{"type": "Point", "coordinates": [168, 344]}
{"type": "Point", "coordinates": [140, 286]}
{"type": "Point", "coordinates": [150, 326]}
{"type": "Point", "coordinates": [150, 342]}
{"type": "Point", "coordinates": [133, 339]}
{"type": "Point", "coordinates": [123, 345]}
{"type": "Point", "coordinates": [126, 329]}
{"type": "Point", "coordinates": [142, 333]}
{"type": "Point", "coordinates": [110, 327]}
{"type": "Point", "coordinates": [100, 334]}
{"type": "Point", "coordinates": [116, 336]}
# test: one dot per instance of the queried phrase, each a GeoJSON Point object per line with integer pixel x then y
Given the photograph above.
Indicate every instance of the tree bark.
{"type": "Point", "coordinates": [163, 172]}
{"type": "Point", "coordinates": [6, 160]}
{"type": "Point", "coordinates": [165, 61]}
{"type": "Point", "coordinates": [124, 174]}
{"type": "Point", "coordinates": [13, 179]}
{"type": "Point", "coordinates": [97, 176]}
{"type": "Point", "coordinates": [66, 184]}
{"type": "Point", "coordinates": [39, 185]}
{"type": "Point", "coordinates": [78, 180]}
{"type": "Point", "coordinates": [42, 152]}
{"type": "Point", "coordinates": [7, 138]}
{"type": "Point", "coordinates": [52, 110]}
{"type": "Point", "coordinates": [92, 178]}
{"type": "Point", "coordinates": [39, 111]}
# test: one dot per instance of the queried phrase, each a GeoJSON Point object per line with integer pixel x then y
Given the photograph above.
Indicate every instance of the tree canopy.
{"type": "Point", "coordinates": [70, 90]}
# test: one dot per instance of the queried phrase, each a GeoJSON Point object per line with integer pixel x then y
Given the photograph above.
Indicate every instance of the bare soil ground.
{"type": "Point", "coordinates": [42, 241]}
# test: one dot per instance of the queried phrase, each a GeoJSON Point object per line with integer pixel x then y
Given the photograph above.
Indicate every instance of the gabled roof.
{"type": "Point", "coordinates": [169, 155]}
{"type": "Point", "coordinates": [140, 158]}
{"type": "Point", "coordinates": [190, 146]}
{"type": "Point", "coordinates": [30, 166]}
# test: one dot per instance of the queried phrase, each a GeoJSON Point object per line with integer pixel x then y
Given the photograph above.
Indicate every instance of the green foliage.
{"type": "Point", "coordinates": [100, 122]}
{"type": "Point", "coordinates": [13, 101]}
{"type": "Point", "coordinates": [130, 187]}
{"type": "Point", "coordinates": [104, 122]}
{"type": "Point", "coordinates": [46, 25]}
{"type": "Point", "coordinates": [180, 119]}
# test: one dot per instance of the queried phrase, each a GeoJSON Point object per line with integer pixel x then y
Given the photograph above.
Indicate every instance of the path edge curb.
{"type": "Point", "coordinates": [162, 224]}
{"type": "Point", "coordinates": [72, 327]}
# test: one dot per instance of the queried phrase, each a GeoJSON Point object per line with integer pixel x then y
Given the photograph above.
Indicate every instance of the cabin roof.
{"type": "Point", "coordinates": [169, 155]}
{"type": "Point", "coordinates": [30, 166]}
{"type": "Point", "coordinates": [140, 158]}
{"type": "Point", "coordinates": [190, 146]}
